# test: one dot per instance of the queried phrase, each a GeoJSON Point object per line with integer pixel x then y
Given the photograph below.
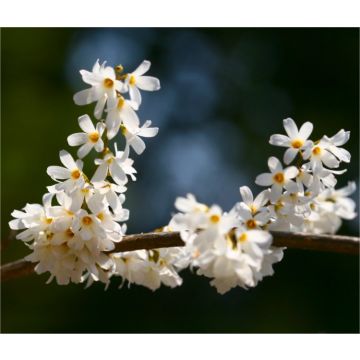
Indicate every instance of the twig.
{"type": "Point", "coordinates": [155, 240]}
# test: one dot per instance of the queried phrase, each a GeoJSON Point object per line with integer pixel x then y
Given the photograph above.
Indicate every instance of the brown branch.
{"type": "Point", "coordinates": [156, 240]}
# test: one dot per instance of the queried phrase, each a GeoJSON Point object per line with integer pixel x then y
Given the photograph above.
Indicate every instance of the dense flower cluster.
{"type": "Point", "coordinates": [234, 248]}
{"type": "Point", "coordinates": [70, 239]}
{"type": "Point", "coordinates": [73, 233]}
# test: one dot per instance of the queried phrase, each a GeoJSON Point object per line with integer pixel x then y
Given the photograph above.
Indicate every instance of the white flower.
{"type": "Point", "coordinates": [114, 166]}
{"type": "Point", "coordinates": [71, 173]}
{"type": "Point", "coordinates": [122, 113]}
{"type": "Point", "coordinates": [333, 143]}
{"type": "Point", "coordinates": [63, 215]}
{"type": "Point", "coordinates": [136, 80]}
{"type": "Point", "coordinates": [338, 202]}
{"type": "Point", "coordinates": [252, 212]}
{"type": "Point", "coordinates": [320, 154]}
{"type": "Point", "coordinates": [284, 216]}
{"type": "Point", "coordinates": [110, 192]}
{"type": "Point", "coordinates": [159, 269]}
{"type": "Point", "coordinates": [108, 220]}
{"type": "Point", "coordinates": [295, 141]}
{"type": "Point", "coordinates": [190, 204]}
{"type": "Point", "coordinates": [90, 138]}
{"type": "Point", "coordinates": [133, 135]}
{"type": "Point", "coordinates": [130, 266]}
{"type": "Point", "coordinates": [103, 87]}
{"type": "Point", "coordinates": [126, 162]}
{"type": "Point", "coordinates": [35, 218]}
{"type": "Point", "coordinates": [252, 242]}
{"type": "Point", "coordinates": [279, 178]}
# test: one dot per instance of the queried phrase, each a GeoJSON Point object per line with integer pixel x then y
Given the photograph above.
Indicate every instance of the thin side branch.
{"type": "Point", "coordinates": [156, 240]}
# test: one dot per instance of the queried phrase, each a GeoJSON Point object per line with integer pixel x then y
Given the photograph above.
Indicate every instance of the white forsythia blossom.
{"type": "Point", "coordinates": [295, 141]}
{"type": "Point", "coordinates": [71, 238]}
{"type": "Point", "coordinates": [90, 138]}
{"type": "Point", "coordinates": [279, 178]}
{"type": "Point", "coordinates": [136, 80]}
{"type": "Point", "coordinates": [104, 87]}
{"type": "Point", "coordinates": [76, 233]}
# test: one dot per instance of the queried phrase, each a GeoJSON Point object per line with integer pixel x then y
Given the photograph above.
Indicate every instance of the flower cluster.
{"type": "Point", "coordinates": [234, 248]}
{"type": "Point", "coordinates": [77, 223]}
{"type": "Point", "coordinates": [74, 232]}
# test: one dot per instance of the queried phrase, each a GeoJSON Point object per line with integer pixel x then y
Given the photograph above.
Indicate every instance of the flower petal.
{"type": "Point", "coordinates": [67, 160]}
{"type": "Point", "coordinates": [58, 172]}
{"type": "Point", "coordinates": [86, 124]}
{"type": "Point", "coordinates": [274, 164]}
{"type": "Point", "coordinates": [291, 128]}
{"type": "Point", "coordinates": [142, 68]}
{"type": "Point", "coordinates": [280, 140]}
{"type": "Point", "coordinates": [77, 139]}
{"type": "Point", "coordinates": [330, 160]}
{"type": "Point", "coordinates": [290, 155]}
{"type": "Point", "coordinates": [148, 131]}
{"type": "Point", "coordinates": [246, 195]}
{"type": "Point", "coordinates": [135, 94]}
{"type": "Point", "coordinates": [100, 173]}
{"type": "Point", "coordinates": [84, 150]}
{"type": "Point", "coordinates": [83, 97]}
{"type": "Point", "coordinates": [117, 173]}
{"type": "Point", "coordinates": [136, 143]}
{"type": "Point", "coordinates": [129, 117]}
{"type": "Point", "coordinates": [148, 83]}
{"type": "Point", "coordinates": [306, 130]}
{"type": "Point", "coordinates": [264, 179]}
{"type": "Point", "coordinates": [99, 108]}
{"type": "Point", "coordinates": [290, 172]}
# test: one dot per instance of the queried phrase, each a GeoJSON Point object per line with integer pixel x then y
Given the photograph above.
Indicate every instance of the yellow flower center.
{"type": "Point", "coordinates": [100, 216]}
{"type": "Point", "coordinates": [242, 237]}
{"type": "Point", "coordinates": [297, 143]}
{"type": "Point", "coordinates": [108, 83]}
{"type": "Point", "coordinates": [214, 219]}
{"type": "Point", "coordinates": [253, 209]}
{"type": "Point", "coordinates": [94, 137]}
{"type": "Point", "coordinates": [251, 224]}
{"type": "Point", "coordinates": [279, 178]}
{"type": "Point", "coordinates": [48, 220]}
{"type": "Point", "coordinates": [75, 174]}
{"type": "Point", "coordinates": [121, 103]}
{"type": "Point", "coordinates": [316, 150]}
{"type": "Point", "coordinates": [132, 80]}
{"type": "Point", "coordinates": [278, 206]}
{"type": "Point", "coordinates": [86, 220]}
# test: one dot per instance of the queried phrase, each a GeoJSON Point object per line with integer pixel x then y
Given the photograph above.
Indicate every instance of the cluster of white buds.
{"type": "Point", "coordinates": [71, 239]}
{"type": "Point", "coordinates": [75, 239]}
{"type": "Point", "coordinates": [234, 248]}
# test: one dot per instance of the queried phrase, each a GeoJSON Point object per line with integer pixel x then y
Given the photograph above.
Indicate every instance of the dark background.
{"type": "Point", "coordinates": [224, 92]}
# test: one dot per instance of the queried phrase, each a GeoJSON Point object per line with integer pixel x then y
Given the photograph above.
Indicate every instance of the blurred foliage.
{"type": "Point", "coordinates": [224, 92]}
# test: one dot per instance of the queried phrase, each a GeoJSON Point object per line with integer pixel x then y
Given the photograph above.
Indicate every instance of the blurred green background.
{"type": "Point", "coordinates": [224, 92]}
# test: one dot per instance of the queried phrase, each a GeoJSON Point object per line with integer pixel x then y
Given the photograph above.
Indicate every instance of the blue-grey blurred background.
{"type": "Point", "coordinates": [224, 92]}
